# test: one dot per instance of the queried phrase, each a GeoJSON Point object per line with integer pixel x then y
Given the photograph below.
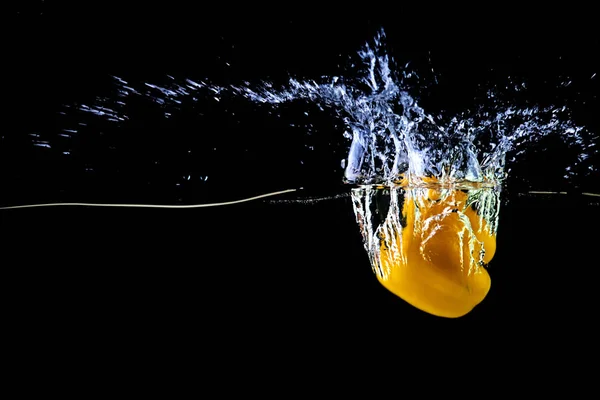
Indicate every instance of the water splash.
{"type": "Point", "coordinates": [394, 138]}
{"type": "Point", "coordinates": [390, 136]}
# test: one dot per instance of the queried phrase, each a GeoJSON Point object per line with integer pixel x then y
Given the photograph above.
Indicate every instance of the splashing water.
{"type": "Point", "coordinates": [391, 136]}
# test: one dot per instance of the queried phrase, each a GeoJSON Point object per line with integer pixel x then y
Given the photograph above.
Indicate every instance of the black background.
{"type": "Point", "coordinates": [257, 278]}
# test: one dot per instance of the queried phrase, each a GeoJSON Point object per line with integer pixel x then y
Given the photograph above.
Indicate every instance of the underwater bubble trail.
{"type": "Point", "coordinates": [177, 206]}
